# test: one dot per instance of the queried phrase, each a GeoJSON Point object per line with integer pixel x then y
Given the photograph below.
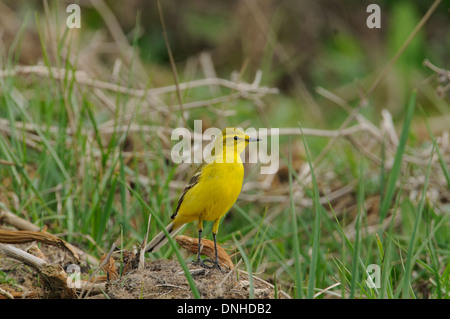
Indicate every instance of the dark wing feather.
{"type": "Point", "coordinates": [192, 182]}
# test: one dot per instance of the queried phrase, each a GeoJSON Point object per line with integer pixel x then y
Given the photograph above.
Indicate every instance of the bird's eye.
{"type": "Point", "coordinates": [236, 138]}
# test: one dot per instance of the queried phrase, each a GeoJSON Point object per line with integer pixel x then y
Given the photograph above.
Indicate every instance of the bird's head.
{"type": "Point", "coordinates": [232, 141]}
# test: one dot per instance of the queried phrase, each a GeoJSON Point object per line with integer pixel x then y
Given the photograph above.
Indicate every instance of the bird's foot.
{"type": "Point", "coordinates": [214, 264]}
{"type": "Point", "coordinates": [201, 263]}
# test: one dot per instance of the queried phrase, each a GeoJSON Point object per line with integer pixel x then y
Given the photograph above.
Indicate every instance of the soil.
{"type": "Point", "coordinates": [158, 279]}
{"type": "Point", "coordinates": [165, 279]}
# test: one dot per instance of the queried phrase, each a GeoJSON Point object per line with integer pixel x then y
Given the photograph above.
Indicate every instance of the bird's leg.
{"type": "Point", "coordinates": [215, 263]}
{"type": "Point", "coordinates": [199, 245]}
{"type": "Point", "coordinates": [199, 259]}
{"type": "Point", "coordinates": [215, 248]}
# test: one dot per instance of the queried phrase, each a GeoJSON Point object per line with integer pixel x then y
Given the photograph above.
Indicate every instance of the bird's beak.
{"type": "Point", "coordinates": [253, 139]}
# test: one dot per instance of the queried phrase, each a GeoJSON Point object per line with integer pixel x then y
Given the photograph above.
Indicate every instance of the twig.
{"type": "Point", "coordinates": [326, 289]}
{"type": "Point", "coordinates": [22, 224]}
{"type": "Point", "coordinates": [6, 163]}
{"type": "Point", "coordinates": [363, 150]}
{"type": "Point", "coordinates": [5, 294]}
{"type": "Point", "coordinates": [318, 132]}
{"type": "Point", "coordinates": [306, 202]}
{"type": "Point", "coordinates": [14, 220]}
{"type": "Point", "coordinates": [24, 236]}
{"type": "Point", "coordinates": [371, 128]}
{"type": "Point", "coordinates": [443, 78]}
{"type": "Point", "coordinates": [82, 78]}
{"type": "Point", "coordinates": [441, 72]}
{"type": "Point", "coordinates": [54, 276]}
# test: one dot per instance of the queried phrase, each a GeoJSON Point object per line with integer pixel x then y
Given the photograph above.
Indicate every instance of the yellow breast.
{"type": "Point", "coordinates": [215, 193]}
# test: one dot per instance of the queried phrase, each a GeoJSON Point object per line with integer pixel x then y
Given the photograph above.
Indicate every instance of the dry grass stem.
{"type": "Point", "coordinates": [82, 78]}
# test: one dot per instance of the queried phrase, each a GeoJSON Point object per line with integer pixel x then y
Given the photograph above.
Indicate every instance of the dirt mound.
{"type": "Point", "coordinates": [165, 279]}
{"type": "Point", "coordinates": [35, 264]}
{"type": "Point", "coordinates": [159, 279]}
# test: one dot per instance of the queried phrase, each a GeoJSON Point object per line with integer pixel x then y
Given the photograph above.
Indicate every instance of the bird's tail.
{"type": "Point", "coordinates": [160, 240]}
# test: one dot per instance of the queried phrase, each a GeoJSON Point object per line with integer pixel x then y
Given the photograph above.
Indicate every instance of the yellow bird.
{"type": "Point", "coordinates": [212, 190]}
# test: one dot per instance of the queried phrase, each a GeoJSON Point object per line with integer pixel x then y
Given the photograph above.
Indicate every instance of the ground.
{"type": "Point", "coordinates": [165, 279]}
{"type": "Point", "coordinates": [158, 279]}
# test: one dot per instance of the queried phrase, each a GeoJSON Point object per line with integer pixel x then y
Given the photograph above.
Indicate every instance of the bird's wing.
{"type": "Point", "coordinates": [192, 182]}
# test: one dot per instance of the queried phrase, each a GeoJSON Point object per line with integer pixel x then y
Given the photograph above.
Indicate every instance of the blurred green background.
{"type": "Point", "coordinates": [72, 173]}
{"type": "Point", "coordinates": [298, 45]}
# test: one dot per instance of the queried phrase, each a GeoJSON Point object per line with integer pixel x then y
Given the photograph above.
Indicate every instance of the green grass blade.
{"type": "Point", "coordinates": [396, 168]}
{"type": "Point", "coordinates": [106, 211]}
{"type": "Point", "coordinates": [248, 266]}
{"type": "Point", "coordinates": [316, 232]}
{"type": "Point", "coordinates": [357, 250]}
{"type": "Point", "coordinates": [444, 167]}
{"type": "Point", "coordinates": [295, 239]}
{"type": "Point", "coordinates": [386, 290]}
{"type": "Point", "coordinates": [410, 256]}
